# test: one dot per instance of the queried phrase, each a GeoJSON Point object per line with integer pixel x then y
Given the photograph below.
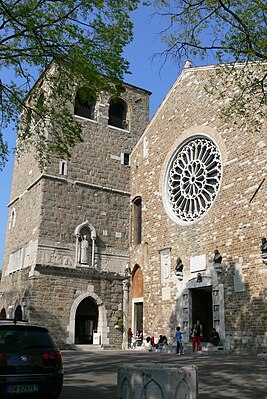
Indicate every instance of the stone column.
{"type": "Point", "coordinates": [125, 308]}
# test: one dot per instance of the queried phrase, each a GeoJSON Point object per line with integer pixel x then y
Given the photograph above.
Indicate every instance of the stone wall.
{"type": "Point", "coordinates": [47, 299]}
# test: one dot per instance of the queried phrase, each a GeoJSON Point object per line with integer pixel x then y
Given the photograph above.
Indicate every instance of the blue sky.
{"type": "Point", "coordinates": [146, 73]}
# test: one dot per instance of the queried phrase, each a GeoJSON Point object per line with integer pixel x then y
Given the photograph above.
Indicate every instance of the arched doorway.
{"type": "Point", "coordinates": [86, 321]}
{"type": "Point", "coordinates": [137, 298]}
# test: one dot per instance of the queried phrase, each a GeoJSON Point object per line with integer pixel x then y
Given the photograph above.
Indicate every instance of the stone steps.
{"type": "Point", "coordinates": [86, 348]}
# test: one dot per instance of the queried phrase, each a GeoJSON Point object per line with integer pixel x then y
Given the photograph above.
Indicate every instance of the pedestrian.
{"type": "Point", "coordinates": [178, 337]}
{"type": "Point", "coordinates": [130, 337]}
{"type": "Point", "coordinates": [196, 335]}
{"type": "Point", "coordinates": [138, 339]}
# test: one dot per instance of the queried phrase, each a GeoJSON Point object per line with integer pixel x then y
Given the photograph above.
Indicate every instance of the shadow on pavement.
{"type": "Point", "coordinates": [94, 374]}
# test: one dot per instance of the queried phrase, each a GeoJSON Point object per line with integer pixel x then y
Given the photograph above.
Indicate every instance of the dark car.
{"type": "Point", "coordinates": [30, 362]}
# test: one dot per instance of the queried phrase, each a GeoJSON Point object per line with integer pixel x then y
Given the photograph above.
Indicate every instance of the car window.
{"type": "Point", "coordinates": [20, 339]}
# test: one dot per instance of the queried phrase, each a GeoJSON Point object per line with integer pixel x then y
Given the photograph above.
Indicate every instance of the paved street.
{"type": "Point", "coordinates": [93, 374]}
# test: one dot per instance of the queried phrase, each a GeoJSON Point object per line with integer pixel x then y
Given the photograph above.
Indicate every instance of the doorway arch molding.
{"type": "Point", "coordinates": [102, 327]}
{"type": "Point", "coordinates": [206, 281]}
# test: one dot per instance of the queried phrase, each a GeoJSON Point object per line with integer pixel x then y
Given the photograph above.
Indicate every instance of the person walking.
{"type": "Point", "coordinates": [130, 337]}
{"type": "Point", "coordinates": [178, 337]}
{"type": "Point", "coordinates": [196, 335]}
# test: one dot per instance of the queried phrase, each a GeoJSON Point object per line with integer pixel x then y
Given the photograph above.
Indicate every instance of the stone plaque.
{"type": "Point", "coordinates": [197, 263]}
{"type": "Point", "coordinates": [166, 293]}
{"type": "Point", "coordinates": [165, 264]}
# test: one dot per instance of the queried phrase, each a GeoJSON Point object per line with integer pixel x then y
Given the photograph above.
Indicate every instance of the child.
{"type": "Point", "coordinates": [178, 337]}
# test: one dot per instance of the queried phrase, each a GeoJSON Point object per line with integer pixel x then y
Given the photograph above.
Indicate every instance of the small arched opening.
{"type": "Point", "coordinates": [85, 102]}
{"type": "Point", "coordinates": [117, 115]}
{"type": "Point", "coordinates": [18, 313]}
{"type": "Point", "coordinates": [3, 314]}
{"type": "Point", "coordinates": [86, 321]}
{"type": "Point", "coordinates": [137, 220]}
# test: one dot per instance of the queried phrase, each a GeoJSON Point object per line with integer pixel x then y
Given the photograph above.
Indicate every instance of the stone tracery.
{"type": "Point", "coordinates": [194, 178]}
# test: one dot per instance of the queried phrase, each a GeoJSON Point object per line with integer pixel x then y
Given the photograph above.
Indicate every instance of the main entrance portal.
{"type": "Point", "coordinates": [86, 321]}
{"type": "Point", "coordinates": [201, 299]}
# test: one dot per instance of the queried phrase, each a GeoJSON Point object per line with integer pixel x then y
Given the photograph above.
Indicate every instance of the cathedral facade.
{"type": "Point", "coordinates": [149, 225]}
{"type": "Point", "coordinates": [199, 227]}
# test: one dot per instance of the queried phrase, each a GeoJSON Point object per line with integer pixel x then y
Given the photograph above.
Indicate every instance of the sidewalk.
{"type": "Point", "coordinates": [220, 376]}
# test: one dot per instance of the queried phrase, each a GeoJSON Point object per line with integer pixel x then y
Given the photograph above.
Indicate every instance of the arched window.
{"type": "Point", "coordinates": [35, 114]}
{"type": "Point", "coordinates": [117, 113]}
{"type": "Point", "coordinates": [12, 219]}
{"type": "Point", "coordinates": [137, 220]}
{"type": "Point", "coordinates": [85, 101]}
{"type": "Point", "coordinates": [18, 313]}
{"type": "Point", "coordinates": [39, 111]}
{"type": "Point", "coordinates": [3, 314]}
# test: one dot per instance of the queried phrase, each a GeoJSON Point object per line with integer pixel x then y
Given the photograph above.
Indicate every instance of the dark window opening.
{"type": "Point", "coordinates": [117, 113]}
{"type": "Point", "coordinates": [18, 313]}
{"type": "Point", "coordinates": [63, 167]}
{"type": "Point", "coordinates": [85, 102]}
{"type": "Point", "coordinates": [126, 159]}
{"type": "Point", "coordinates": [40, 104]}
{"type": "Point", "coordinates": [137, 225]}
{"type": "Point", "coordinates": [3, 314]}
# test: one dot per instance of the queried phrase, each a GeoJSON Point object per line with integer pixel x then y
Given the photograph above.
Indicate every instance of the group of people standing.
{"type": "Point", "coordinates": [196, 335]}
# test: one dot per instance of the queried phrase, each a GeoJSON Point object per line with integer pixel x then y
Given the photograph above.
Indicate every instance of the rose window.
{"type": "Point", "coordinates": [193, 179]}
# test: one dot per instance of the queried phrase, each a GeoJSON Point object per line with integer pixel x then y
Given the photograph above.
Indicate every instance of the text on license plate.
{"type": "Point", "coordinates": [22, 388]}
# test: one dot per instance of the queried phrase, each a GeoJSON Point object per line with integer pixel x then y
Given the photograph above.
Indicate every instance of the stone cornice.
{"type": "Point", "coordinates": [84, 273]}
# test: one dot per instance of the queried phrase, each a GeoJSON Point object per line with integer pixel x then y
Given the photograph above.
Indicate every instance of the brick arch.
{"type": "Point", "coordinates": [102, 327]}
{"type": "Point", "coordinates": [137, 282]}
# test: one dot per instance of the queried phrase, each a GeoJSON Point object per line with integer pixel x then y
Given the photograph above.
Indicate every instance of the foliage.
{"type": "Point", "coordinates": [82, 38]}
{"type": "Point", "coordinates": [229, 32]}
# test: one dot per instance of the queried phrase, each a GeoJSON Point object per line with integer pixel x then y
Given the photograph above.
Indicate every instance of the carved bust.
{"type": "Point", "coordinates": [264, 245]}
{"type": "Point", "coordinates": [179, 266]}
{"type": "Point", "coordinates": [217, 257]}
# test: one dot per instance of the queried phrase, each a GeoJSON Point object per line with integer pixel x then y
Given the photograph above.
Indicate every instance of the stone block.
{"type": "Point", "coordinates": [157, 381]}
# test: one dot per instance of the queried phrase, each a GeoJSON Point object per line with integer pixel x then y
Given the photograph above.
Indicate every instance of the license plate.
{"type": "Point", "coordinates": [22, 388]}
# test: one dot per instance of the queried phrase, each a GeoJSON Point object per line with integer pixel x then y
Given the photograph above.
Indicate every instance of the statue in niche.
{"type": "Point", "coordinates": [217, 257]}
{"type": "Point", "coordinates": [179, 268]}
{"type": "Point", "coordinates": [84, 252]}
{"type": "Point", "coordinates": [264, 245]}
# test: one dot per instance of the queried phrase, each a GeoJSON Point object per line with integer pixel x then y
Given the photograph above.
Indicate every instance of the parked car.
{"type": "Point", "coordinates": [30, 362]}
